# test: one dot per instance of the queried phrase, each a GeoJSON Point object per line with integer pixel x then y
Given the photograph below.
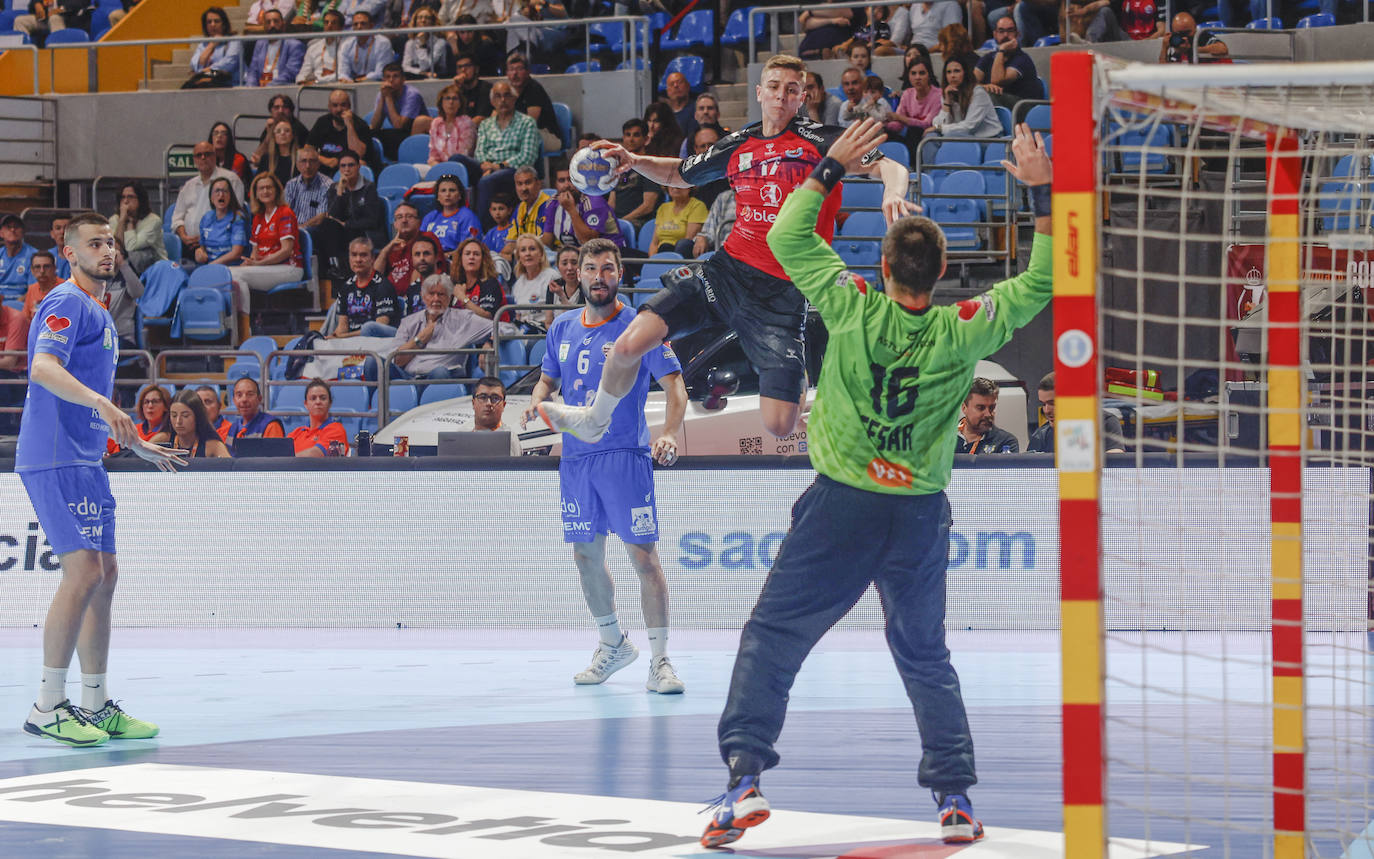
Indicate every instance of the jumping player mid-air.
{"type": "Point", "coordinates": [68, 415]}
{"type": "Point", "coordinates": [741, 286]}
{"type": "Point", "coordinates": [609, 485]}
{"type": "Point", "coordinates": [896, 371]}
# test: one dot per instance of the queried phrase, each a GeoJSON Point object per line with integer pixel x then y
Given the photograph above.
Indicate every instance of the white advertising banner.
{"type": "Point", "coordinates": [1184, 548]}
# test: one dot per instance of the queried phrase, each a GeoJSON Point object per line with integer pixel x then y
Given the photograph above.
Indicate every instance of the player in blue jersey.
{"type": "Point", "coordinates": [68, 415]}
{"type": "Point", "coordinates": [608, 486]}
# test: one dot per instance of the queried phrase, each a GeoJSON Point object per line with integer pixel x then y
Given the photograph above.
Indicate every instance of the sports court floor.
{"type": "Point", "coordinates": [326, 743]}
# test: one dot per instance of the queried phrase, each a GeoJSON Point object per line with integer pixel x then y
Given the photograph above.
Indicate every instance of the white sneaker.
{"type": "Point", "coordinates": [574, 420]}
{"type": "Point", "coordinates": [662, 678]}
{"type": "Point", "coordinates": [607, 660]}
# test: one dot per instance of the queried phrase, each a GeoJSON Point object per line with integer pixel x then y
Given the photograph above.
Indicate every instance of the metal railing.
{"type": "Point", "coordinates": [32, 49]}
{"type": "Point", "coordinates": [1006, 221]}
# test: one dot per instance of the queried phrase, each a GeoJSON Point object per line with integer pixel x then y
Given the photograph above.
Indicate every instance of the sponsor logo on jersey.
{"type": "Point", "coordinates": [563, 350]}
{"type": "Point", "coordinates": [606, 349]}
{"type": "Point", "coordinates": [108, 342]}
{"type": "Point", "coordinates": [885, 473]}
{"type": "Point", "coordinates": [794, 153]}
{"type": "Point", "coordinates": [969, 308]}
{"type": "Point", "coordinates": [53, 324]}
{"type": "Point", "coordinates": [771, 194]}
{"type": "Point", "coordinates": [642, 521]}
{"type": "Point", "coordinates": [683, 272]}
{"type": "Point", "coordinates": [593, 220]}
{"type": "Point", "coordinates": [745, 159]}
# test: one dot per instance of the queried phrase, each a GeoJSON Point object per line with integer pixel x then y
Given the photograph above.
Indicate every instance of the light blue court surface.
{"type": "Point", "coordinates": [404, 742]}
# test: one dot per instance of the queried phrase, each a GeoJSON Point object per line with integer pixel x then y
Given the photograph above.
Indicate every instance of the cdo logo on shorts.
{"type": "Point", "coordinates": [642, 521]}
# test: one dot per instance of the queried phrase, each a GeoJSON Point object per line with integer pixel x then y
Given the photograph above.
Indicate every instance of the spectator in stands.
{"type": "Point", "coordinates": [920, 104]}
{"type": "Point", "coordinates": [538, 41]}
{"type": "Point", "coordinates": [352, 209]}
{"type": "Point", "coordinates": [477, 288]}
{"type": "Point", "coordinates": [57, 231]}
{"type": "Point", "coordinates": [531, 99]}
{"type": "Point", "coordinates": [635, 197]}
{"type": "Point", "coordinates": [215, 64]}
{"type": "Point", "coordinates": [506, 141]}
{"type": "Point", "coordinates": [1185, 38]}
{"type": "Point", "coordinates": [476, 92]}
{"type": "Point", "coordinates": [44, 270]}
{"type": "Point", "coordinates": [451, 220]}
{"type": "Point", "coordinates": [859, 56]}
{"type": "Point", "coordinates": [824, 28]}
{"type": "Point", "coordinates": [426, 55]}
{"type": "Point", "coordinates": [138, 226]}
{"type": "Point", "coordinates": [719, 221]}
{"type": "Point", "coordinates": [321, 62]}
{"type": "Point", "coordinates": [677, 95]}
{"type": "Point", "coordinates": [426, 258]}
{"type": "Point", "coordinates": [393, 260]}
{"type": "Point", "coordinates": [706, 137]}
{"type": "Point", "coordinates": [193, 200]}
{"type": "Point", "coordinates": [487, 52]}
{"type": "Point", "coordinates": [924, 20]}
{"type": "Point", "coordinates": [437, 326]}
{"type": "Point", "coordinates": [257, 14]}
{"type": "Point", "coordinates": [663, 138]}
{"type": "Point", "coordinates": [49, 16]}
{"type": "Point", "coordinates": [488, 406]}
{"type": "Point", "coordinates": [279, 108]}
{"type": "Point", "coordinates": [565, 290]}
{"type": "Point", "coordinates": [875, 35]}
{"type": "Point", "coordinates": [852, 84]}
{"type": "Point", "coordinates": [874, 104]}
{"type": "Point", "coordinates": [401, 13]}
{"type": "Point", "coordinates": [276, 62]}
{"type": "Point", "coordinates": [1042, 440]}
{"type": "Point", "coordinates": [281, 155]}
{"type": "Point", "coordinates": [16, 257]}
{"type": "Point", "coordinates": [967, 109]}
{"type": "Point", "coordinates": [1142, 19]}
{"type": "Point", "coordinates": [227, 155]}
{"type": "Point", "coordinates": [500, 239]}
{"type": "Point", "coordinates": [365, 297]}
{"type": "Point", "coordinates": [308, 191]}
{"type": "Point", "coordinates": [373, 8]}
{"type": "Point", "coordinates": [452, 131]}
{"type": "Point", "coordinates": [252, 421]}
{"type": "Point", "coordinates": [398, 103]}
{"type": "Point", "coordinates": [533, 207]}
{"type": "Point", "coordinates": [954, 41]}
{"type": "Point", "coordinates": [14, 337]}
{"type": "Point", "coordinates": [310, 14]}
{"type": "Point", "coordinates": [151, 410]}
{"type": "Point", "coordinates": [338, 130]}
{"type": "Point", "coordinates": [576, 218]}
{"type": "Point", "coordinates": [706, 110]}
{"type": "Point", "coordinates": [677, 222]}
{"type": "Point", "coordinates": [276, 256]}
{"type": "Point", "coordinates": [321, 436]}
{"type": "Point", "coordinates": [189, 428]}
{"type": "Point", "coordinates": [978, 430]}
{"type": "Point", "coordinates": [533, 274]}
{"type": "Point", "coordinates": [363, 58]}
{"type": "Point", "coordinates": [820, 106]}
{"type": "Point", "coordinates": [209, 398]}
{"type": "Point", "coordinates": [1008, 73]}
{"type": "Point", "coordinates": [1092, 21]}
{"type": "Point", "coordinates": [122, 293]}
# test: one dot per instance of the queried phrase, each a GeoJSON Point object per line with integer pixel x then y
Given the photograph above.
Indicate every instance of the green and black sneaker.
{"type": "Point", "coordinates": [120, 725]}
{"type": "Point", "coordinates": [67, 724]}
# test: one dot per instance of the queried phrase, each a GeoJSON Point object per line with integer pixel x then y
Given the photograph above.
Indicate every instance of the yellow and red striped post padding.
{"type": "Point", "coordinates": [1285, 492]}
{"type": "Point", "coordinates": [1078, 452]}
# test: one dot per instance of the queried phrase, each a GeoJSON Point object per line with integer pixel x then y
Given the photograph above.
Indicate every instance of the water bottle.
{"type": "Point", "coordinates": [362, 443]}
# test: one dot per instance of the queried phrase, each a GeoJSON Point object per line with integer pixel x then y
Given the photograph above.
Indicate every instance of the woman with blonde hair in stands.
{"type": "Point", "coordinates": [426, 54]}
{"type": "Point", "coordinates": [320, 434]}
{"type": "Point", "coordinates": [281, 154]}
{"type": "Point", "coordinates": [533, 274]}
{"type": "Point", "coordinates": [189, 428]}
{"type": "Point", "coordinates": [475, 284]}
{"type": "Point", "coordinates": [276, 257]}
{"type": "Point", "coordinates": [953, 41]}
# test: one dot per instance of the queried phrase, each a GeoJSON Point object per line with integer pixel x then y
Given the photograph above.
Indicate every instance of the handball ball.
{"type": "Point", "coordinates": [592, 173]}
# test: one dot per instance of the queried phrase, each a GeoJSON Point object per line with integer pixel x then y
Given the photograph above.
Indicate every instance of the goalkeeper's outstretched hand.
{"type": "Point", "coordinates": [1032, 165]}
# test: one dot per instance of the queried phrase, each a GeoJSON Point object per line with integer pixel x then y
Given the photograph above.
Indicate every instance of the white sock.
{"type": "Point", "coordinates": [53, 688]}
{"type": "Point", "coordinates": [658, 640]}
{"type": "Point", "coordinates": [609, 629]}
{"type": "Point", "coordinates": [603, 406]}
{"type": "Point", "coordinates": [94, 692]}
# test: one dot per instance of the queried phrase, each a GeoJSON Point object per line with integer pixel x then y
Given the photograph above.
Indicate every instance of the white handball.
{"type": "Point", "coordinates": [592, 172]}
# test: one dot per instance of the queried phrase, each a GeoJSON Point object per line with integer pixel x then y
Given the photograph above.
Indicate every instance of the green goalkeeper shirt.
{"type": "Point", "coordinates": [893, 379]}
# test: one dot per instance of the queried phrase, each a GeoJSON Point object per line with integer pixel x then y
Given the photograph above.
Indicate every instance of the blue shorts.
{"type": "Point", "coordinates": [609, 493]}
{"type": "Point", "coordinates": [74, 507]}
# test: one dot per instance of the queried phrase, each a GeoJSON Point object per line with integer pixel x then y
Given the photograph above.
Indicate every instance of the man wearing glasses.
{"type": "Point", "coordinates": [308, 191]}
{"type": "Point", "coordinates": [476, 92]}
{"type": "Point", "coordinates": [506, 141]}
{"type": "Point", "coordinates": [1008, 73]}
{"type": "Point", "coordinates": [488, 405]}
{"type": "Point", "coordinates": [193, 200]}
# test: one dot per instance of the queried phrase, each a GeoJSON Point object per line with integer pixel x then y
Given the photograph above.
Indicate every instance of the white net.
{"type": "Point", "coordinates": [1186, 243]}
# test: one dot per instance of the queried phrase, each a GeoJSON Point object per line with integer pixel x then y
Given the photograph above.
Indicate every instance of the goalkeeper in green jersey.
{"type": "Point", "coordinates": [896, 370]}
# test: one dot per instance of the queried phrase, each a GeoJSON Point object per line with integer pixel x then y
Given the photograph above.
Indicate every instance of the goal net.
{"type": "Point", "coordinates": [1214, 293]}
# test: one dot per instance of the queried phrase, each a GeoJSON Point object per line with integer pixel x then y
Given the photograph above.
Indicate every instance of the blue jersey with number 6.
{"type": "Point", "coordinates": [576, 352]}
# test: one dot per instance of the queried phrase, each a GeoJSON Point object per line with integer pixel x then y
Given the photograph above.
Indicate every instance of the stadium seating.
{"type": "Point", "coordinates": [737, 28]}
{"type": "Point", "coordinates": [1048, 41]}
{"type": "Point", "coordinates": [583, 68]}
{"type": "Point", "coordinates": [308, 271]}
{"type": "Point", "coordinates": [397, 178]}
{"type": "Point", "coordinates": [401, 397]}
{"type": "Point", "coordinates": [627, 230]}
{"type": "Point", "coordinates": [969, 185]}
{"type": "Point", "coordinates": [7, 19]}
{"type": "Point", "coordinates": [201, 315]}
{"type": "Point", "coordinates": [861, 256]}
{"type": "Point", "coordinates": [636, 63]}
{"type": "Point", "coordinates": [646, 236]}
{"type": "Point", "coordinates": [438, 393]}
{"type": "Point", "coordinates": [695, 30]}
{"type": "Point", "coordinates": [861, 194]}
{"type": "Point", "coordinates": [350, 407]}
{"type": "Point", "coordinates": [413, 150]}
{"type": "Point", "coordinates": [68, 36]}
{"type": "Point", "coordinates": [1343, 206]}
{"type": "Point", "coordinates": [243, 369]}
{"type": "Point", "coordinates": [612, 38]}
{"type": "Point", "coordinates": [218, 278]}
{"type": "Point", "coordinates": [537, 350]}
{"type": "Point", "coordinates": [457, 168]}
{"type": "Point", "coordinates": [1348, 166]}
{"type": "Point", "coordinates": [954, 216]}
{"type": "Point", "coordinates": [1320, 19]}
{"type": "Point", "coordinates": [866, 224]}
{"type": "Point", "coordinates": [1038, 117]}
{"type": "Point", "coordinates": [1265, 24]}
{"type": "Point", "coordinates": [1140, 147]}
{"type": "Point", "coordinates": [1004, 116]}
{"type": "Point", "coordinates": [897, 152]}
{"type": "Point", "coordinates": [565, 124]}
{"type": "Point", "coordinates": [261, 344]}
{"type": "Point", "coordinates": [692, 67]}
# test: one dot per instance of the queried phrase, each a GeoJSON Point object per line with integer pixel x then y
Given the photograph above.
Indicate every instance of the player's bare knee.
{"type": "Point", "coordinates": [585, 553]}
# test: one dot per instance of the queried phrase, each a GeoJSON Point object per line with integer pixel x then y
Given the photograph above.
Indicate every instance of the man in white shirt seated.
{"type": "Point", "coordinates": [438, 326]}
{"type": "Point", "coordinates": [193, 200]}
{"type": "Point", "coordinates": [321, 65]}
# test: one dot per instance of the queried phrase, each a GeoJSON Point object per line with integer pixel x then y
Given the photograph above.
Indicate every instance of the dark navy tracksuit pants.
{"type": "Point", "coordinates": [842, 539]}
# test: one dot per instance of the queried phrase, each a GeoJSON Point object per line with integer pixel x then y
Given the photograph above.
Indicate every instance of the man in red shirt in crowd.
{"type": "Point", "coordinates": [393, 260]}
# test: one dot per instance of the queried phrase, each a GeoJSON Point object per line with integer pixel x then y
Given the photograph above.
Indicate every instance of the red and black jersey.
{"type": "Point", "coordinates": [763, 171]}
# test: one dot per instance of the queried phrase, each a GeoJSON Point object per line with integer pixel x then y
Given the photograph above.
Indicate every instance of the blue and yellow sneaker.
{"type": "Point", "coordinates": [69, 725]}
{"type": "Point", "coordinates": [957, 823]}
{"type": "Point", "coordinates": [740, 807]}
{"type": "Point", "coordinates": [120, 725]}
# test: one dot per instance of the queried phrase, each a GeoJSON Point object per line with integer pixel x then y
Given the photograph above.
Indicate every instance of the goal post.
{"type": "Point", "coordinates": [1214, 294]}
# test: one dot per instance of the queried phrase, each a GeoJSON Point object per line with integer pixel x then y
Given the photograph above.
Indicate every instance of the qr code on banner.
{"type": "Point", "coordinates": [751, 446]}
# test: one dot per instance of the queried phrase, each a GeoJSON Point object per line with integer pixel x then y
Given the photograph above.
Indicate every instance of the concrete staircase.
{"type": "Point", "coordinates": [171, 75]}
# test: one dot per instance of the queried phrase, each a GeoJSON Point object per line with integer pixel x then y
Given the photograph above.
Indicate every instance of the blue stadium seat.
{"type": "Point", "coordinates": [948, 212]}
{"type": "Point", "coordinates": [695, 30]}
{"type": "Point", "coordinates": [243, 369]}
{"type": "Point", "coordinates": [276, 368]}
{"type": "Point", "coordinates": [396, 179]}
{"type": "Point", "coordinates": [969, 185]}
{"type": "Point", "coordinates": [1343, 206]}
{"type": "Point", "coordinates": [350, 407]}
{"type": "Point", "coordinates": [650, 272]}
{"type": "Point", "coordinates": [23, 37]}
{"type": "Point", "coordinates": [954, 154]}
{"type": "Point", "coordinates": [201, 314]}
{"type": "Point", "coordinates": [692, 67]}
{"type": "Point", "coordinates": [637, 63]}
{"type": "Point", "coordinates": [897, 152]}
{"type": "Point", "coordinates": [457, 168]}
{"type": "Point", "coordinates": [1004, 116]}
{"type": "Point", "coordinates": [261, 344]}
{"type": "Point", "coordinates": [165, 281]}
{"type": "Point", "coordinates": [627, 230]}
{"type": "Point", "coordinates": [1265, 24]}
{"type": "Point", "coordinates": [583, 68]}
{"type": "Point", "coordinates": [69, 36]}
{"type": "Point", "coordinates": [1038, 117]}
{"type": "Point", "coordinates": [861, 256]}
{"type": "Point", "coordinates": [436, 393]}
{"type": "Point", "coordinates": [7, 19]}
{"type": "Point", "coordinates": [537, 350]}
{"type": "Point", "coordinates": [995, 181]}
{"type": "Point", "coordinates": [1048, 41]}
{"type": "Point", "coordinates": [1348, 166]}
{"type": "Point", "coordinates": [612, 38]}
{"type": "Point", "coordinates": [172, 242]}
{"type": "Point", "coordinates": [363, 169]}
{"type": "Point", "coordinates": [565, 124]}
{"type": "Point", "coordinates": [216, 277]}
{"type": "Point", "coordinates": [865, 224]}
{"type": "Point", "coordinates": [308, 272]}
{"type": "Point", "coordinates": [413, 150]}
{"type": "Point", "coordinates": [989, 45]}
{"type": "Point", "coordinates": [737, 27]}
{"type": "Point", "coordinates": [1139, 147]}
{"type": "Point", "coordinates": [927, 184]}
{"type": "Point", "coordinates": [861, 194]}
{"type": "Point", "coordinates": [1321, 19]}
{"type": "Point", "coordinates": [646, 236]}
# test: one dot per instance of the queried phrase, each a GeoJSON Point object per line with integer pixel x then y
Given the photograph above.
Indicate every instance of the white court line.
{"type": "Point", "coordinates": [438, 820]}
